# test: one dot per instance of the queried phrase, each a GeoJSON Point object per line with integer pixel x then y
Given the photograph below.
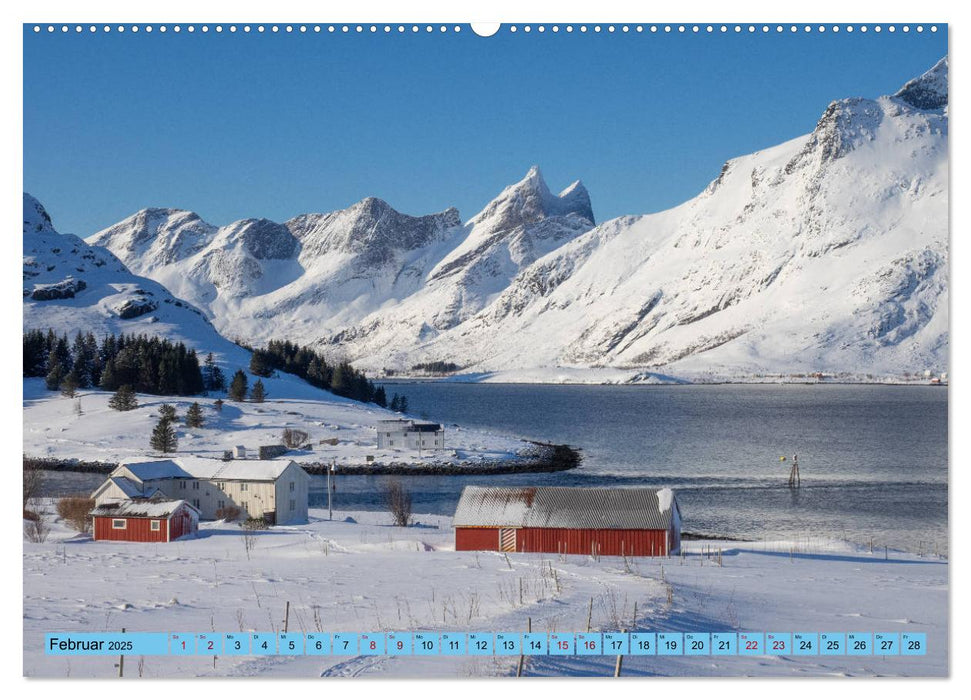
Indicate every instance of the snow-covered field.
{"type": "Point", "coordinates": [52, 428]}
{"type": "Point", "coordinates": [358, 574]}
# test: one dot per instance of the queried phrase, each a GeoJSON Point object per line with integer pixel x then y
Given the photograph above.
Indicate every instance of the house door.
{"type": "Point", "coordinates": [507, 540]}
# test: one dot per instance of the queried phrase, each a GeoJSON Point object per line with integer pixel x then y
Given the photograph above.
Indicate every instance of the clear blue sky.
{"type": "Point", "coordinates": [248, 125]}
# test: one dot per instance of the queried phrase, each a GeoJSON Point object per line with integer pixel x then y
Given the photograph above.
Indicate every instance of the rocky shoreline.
{"type": "Point", "coordinates": [542, 457]}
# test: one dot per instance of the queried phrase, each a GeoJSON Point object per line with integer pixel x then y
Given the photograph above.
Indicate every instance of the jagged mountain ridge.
{"type": "Point", "coordinates": [828, 252]}
{"type": "Point", "coordinates": [333, 273]}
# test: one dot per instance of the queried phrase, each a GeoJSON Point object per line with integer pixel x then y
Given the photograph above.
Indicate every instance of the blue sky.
{"type": "Point", "coordinates": [248, 125]}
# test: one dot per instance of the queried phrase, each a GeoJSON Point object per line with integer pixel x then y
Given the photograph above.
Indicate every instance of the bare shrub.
{"type": "Point", "coordinates": [398, 500]}
{"type": "Point", "coordinates": [294, 438]}
{"type": "Point", "coordinates": [75, 510]}
{"type": "Point", "coordinates": [33, 479]}
{"type": "Point", "coordinates": [38, 529]}
{"type": "Point", "coordinates": [229, 514]}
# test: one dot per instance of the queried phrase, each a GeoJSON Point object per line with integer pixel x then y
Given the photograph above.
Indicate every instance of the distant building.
{"type": "Point", "coordinates": [610, 522]}
{"type": "Point", "coordinates": [239, 452]}
{"type": "Point", "coordinates": [410, 435]}
{"type": "Point", "coordinates": [276, 490]}
{"type": "Point", "coordinates": [144, 520]}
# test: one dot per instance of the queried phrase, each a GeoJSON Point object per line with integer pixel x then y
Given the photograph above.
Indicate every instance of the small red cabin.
{"type": "Point", "coordinates": [144, 520]}
{"type": "Point", "coordinates": [610, 522]}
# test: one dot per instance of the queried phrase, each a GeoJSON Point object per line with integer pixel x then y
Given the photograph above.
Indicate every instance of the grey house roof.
{"type": "Point", "coordinates": [140, 508]}
{"type": "Point", "coordinates": [562, 507]}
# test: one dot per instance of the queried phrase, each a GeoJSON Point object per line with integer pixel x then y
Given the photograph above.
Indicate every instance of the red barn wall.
{"type": "Point", "coordinates": [181, 524]}
{"type": "Point", "coordinates": [481, 539]}
{"type": "Point", "coordinates": [632, 543]}
{"type": "Point", "coordinates": [138, 530]}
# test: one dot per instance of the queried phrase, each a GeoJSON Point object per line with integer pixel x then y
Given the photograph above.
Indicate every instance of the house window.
{"type": "Point", "coordinates": [293, 486]}
{"type": "Point", "coordinates": [119, 524]}
{"type": "Point", "coordinates": [391, 442]}
{"type": "Point", "coordinates": [244, 487]}
{"type": "Point", "coordinates": [156, 525]}
{"type": "Point", "coordinates": [245, 506]}
{"type": "Point", "coordinates": [195, 502]}
{"type": "Point", "coordinates": [195, 485]}
{"type": "Point", "coordinates": [220, 504]}
{"type": "Point", "coordinates": [221, 485]}
{"type": "Point", "coordinates": [293, 504]}
{"type": "Point", "coordinates": [182, 485]}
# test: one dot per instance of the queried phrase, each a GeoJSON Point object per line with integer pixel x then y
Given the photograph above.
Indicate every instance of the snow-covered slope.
{"type": "Point", "coordinates": [826, 253]}
{"type": "Point", "coordinates": [71, 286]}
{"type": "Point", "coordinates": [366, 276]}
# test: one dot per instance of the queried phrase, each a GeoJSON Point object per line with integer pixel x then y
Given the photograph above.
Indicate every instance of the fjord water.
{"type": "Point", "coordinates": [873, 458]}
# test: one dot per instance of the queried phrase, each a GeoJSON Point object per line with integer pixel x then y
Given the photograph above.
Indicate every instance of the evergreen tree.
{"type": "Point", "coordinates": [212, 376]}
{"type": "Point", "coordinates": [163, 436]}
{"type": "Point", "coordinates": [395, 403]}
{"type": "Point", "coordinates": [259, 364]}
{"type": "Point", "coordinates": [124, 399]}
{"type": "Point", "coordinates": [380, 398]}
{"type": "Point", "coordinates": [108, 381]}
{"type": "Point", "coordinates": [69, 385]}
{"type": "Point", "coordinates": [54, 375]}
{"type": "Point", "coordinates": [238, 387]}
{"type": "Point", "coordinates": [218, 405]}
{"type": "Point", "coordinates": [403, 404]}
{"type": "Point", "coordinates": [340, 381]}
{"type": "Point", "coordinates": [258, 393]}
{"type": "Point", "coordinates": [193, 416]}
{"type": "Point", "coordinates": [167, 411]}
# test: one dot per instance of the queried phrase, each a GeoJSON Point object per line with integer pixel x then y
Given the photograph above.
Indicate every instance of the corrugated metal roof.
{"type": "Point", "coordinates": [140, 508]}
{"type": "Point", "coordinates": [565, 507]}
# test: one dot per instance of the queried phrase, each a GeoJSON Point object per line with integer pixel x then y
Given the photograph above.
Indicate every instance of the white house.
{"type": "Point", "coordinates": [410, 435]}
{"type": "Point", "coordinates": [275, 489]}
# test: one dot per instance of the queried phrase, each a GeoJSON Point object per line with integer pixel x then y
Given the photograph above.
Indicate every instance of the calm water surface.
{"type": "Point", "coordinates": [873, 458]}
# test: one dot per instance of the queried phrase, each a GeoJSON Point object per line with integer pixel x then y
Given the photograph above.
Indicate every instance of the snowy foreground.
{"type": "Point", "coordinates": [359, 574]}
{"type": "Point", "coordinates": [52, 428]}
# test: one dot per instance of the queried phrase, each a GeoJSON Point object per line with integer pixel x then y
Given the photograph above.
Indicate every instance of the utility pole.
{"type": "Point", "coordinates": [330, 491]}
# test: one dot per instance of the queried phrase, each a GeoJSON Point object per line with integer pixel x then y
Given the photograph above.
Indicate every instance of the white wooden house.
{"type": "Point", "coordinates": [400, 434]}
{"type": "Point", "coordinates": [277, 489]}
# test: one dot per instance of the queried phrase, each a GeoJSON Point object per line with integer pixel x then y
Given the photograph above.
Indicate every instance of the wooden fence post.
{"type": "Point", "coordinates": [620, 660]}
{"type": "Point", "coordinates": [522, 656]}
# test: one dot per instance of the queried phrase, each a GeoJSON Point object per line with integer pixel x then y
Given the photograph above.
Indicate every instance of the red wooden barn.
{"type": "Point", "coordinates": [610, 522]}
{"type": "Point", "coordinates": [144, 520]}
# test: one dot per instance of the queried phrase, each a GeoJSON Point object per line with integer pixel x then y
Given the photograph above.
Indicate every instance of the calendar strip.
{"type": "Point", "coordinates": [427, 643]}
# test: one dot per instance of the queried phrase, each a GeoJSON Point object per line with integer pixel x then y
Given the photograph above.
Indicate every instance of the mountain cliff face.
{"type": "Point", "coordinates": [825, 253]}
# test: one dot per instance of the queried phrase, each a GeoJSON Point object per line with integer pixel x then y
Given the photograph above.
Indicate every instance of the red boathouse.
{"type": "Point", "coordinates": [601, 521]}
{"type": "Point", "coordinates": [144, 520]}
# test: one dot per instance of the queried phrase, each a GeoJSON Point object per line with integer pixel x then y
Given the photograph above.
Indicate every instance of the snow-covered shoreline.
{"type": "Point", "coordinates": [607, 376]}
{"type": "Point", "coordinates": [358, 573]}
{"type": "Point", "coordinates": [340, 431]}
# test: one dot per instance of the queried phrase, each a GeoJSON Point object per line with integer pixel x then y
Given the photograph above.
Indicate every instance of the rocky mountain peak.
{"type": "Point", "coordinates": [36, 218]}
{"type": "Point", "coordinates": [530, 201]}
{"type": "Point", "coordinates": [928, 91]}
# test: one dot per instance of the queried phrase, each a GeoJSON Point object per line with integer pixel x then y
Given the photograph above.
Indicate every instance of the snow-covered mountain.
{"type": "Point", "coordinates": [366, 276]}
{"type": "Point", "coordinates": [69, 285]}
{"type": "Point", "coordinates": [826, 253]}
